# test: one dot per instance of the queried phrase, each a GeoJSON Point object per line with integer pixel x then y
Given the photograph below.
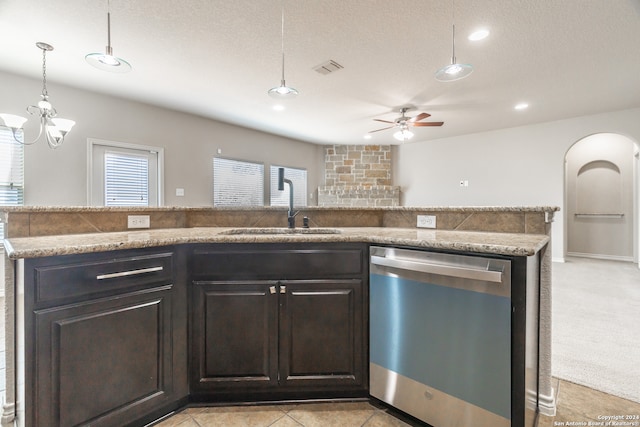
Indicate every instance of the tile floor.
{"type": "Point", "coordinates": [576, 405]}
{"type": "Point", "coordinates": [351, 414]}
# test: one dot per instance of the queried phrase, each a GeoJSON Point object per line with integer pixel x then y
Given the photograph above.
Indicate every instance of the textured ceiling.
{"type": "Point", "coordinates": [217, 59]}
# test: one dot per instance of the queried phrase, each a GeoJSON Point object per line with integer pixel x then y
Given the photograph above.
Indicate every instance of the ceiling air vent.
{"type": "Point", "coordinates": [328, 67]}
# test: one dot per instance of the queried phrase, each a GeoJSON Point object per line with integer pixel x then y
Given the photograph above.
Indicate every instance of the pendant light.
{"type": "Point", "coordinates": [52, 127]}
{"type": "Point", "coordinates": [453, 71]}
{"type": "Point", "coordinates": [282, 91]}
{"type": "Point", "coordinates": [106, 61]}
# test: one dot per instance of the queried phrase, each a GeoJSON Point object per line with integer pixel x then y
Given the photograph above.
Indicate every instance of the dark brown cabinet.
{"type": "Point", "coordinates": [278, 321]}
{"type": "Point", "coordinates": [104, 338]}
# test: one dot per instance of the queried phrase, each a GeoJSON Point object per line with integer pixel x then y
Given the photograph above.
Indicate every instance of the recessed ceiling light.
{"type": "Point", "coordinates": [479, 35]}
{"type": "Point", "coordinates": [521, 106]}
{"type": "Point", "coordinates": [367, 136]}
{"type": "Point", "coordinates": [278, 107]}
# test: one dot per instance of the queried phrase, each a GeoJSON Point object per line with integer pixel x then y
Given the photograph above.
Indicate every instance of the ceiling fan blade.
{"type": "Point", "coordinates": [420, 116]}
{"type": "Point", "coordinates": [383, 121]}
{"type": "Point", "coordinates": [428, 124]}
{"type": "Point", "coordinates": [378, 130]}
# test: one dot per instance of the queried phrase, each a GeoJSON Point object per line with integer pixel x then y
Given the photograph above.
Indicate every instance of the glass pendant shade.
{"type": "Point", "coordinates": [110, 63]}
{"type": "Point", "coordinates": [106, 61]}
{"type": "Point", "coordinates": [63, 125]}
{"type": "Point", "coordinates": [12, 121]}
{"type": "Point", "coordinates": [282, 91]}
{"type": "Point", "coordinates": [453, 71]}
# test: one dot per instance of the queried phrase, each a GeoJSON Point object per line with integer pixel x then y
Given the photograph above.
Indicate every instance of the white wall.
{"type": "Point", "coordinates": [58, 177]}
{"type": "Point", "coordinates": [510, 167]}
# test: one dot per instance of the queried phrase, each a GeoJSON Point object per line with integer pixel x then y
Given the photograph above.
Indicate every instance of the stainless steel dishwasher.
{"type": "Point", "coordinates": [440, 336]}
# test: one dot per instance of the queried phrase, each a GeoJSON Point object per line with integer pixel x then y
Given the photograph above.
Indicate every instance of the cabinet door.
{"type": "Point", "coordinates": [103, 362]}
{"type": "Point", "coordinates": [321, 334]}
{"type": "Point", "coordinates": [233, 336]}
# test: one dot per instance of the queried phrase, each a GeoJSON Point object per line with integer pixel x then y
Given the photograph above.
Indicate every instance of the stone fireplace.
{"type": "Point", "coordinates": [358, 176]}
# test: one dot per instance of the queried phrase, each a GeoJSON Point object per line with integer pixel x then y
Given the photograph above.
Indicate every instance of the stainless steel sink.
{"type": "Point", "coordinates": [280, 230]}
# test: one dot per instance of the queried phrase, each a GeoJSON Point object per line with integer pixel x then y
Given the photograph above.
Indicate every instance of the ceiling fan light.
{"type": "Point", "coordinates": [403, 135]}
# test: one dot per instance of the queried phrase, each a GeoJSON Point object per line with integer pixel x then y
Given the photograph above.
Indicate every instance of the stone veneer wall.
{"type": "Point", "coordinates": [358, 176]}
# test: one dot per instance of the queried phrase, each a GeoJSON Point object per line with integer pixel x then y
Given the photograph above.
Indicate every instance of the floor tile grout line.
{"type": "Point", "coordinates": [284, 414]}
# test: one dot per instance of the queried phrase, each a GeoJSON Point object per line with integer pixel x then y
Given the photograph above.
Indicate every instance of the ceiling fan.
{"type": "Point", "coordinates": [404, 123]}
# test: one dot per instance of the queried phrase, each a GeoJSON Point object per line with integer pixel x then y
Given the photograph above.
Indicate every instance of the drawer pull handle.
{"type": "Point", "coordinates": [129, 273]}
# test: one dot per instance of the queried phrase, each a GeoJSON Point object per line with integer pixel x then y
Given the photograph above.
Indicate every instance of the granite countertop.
{"type": "Point", "coordinates": [467, 241]}
{"type": "Point", "coordinates": [28, 209]}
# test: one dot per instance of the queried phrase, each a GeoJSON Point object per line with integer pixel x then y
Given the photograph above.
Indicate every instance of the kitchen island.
{"type": "Point", "coordinates": [22, 250]}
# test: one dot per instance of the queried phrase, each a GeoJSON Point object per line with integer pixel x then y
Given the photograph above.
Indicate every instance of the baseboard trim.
{"type": "Point", "coordinates": [547, 404]}
{"type": "Point", "coordinates": [598, 256]}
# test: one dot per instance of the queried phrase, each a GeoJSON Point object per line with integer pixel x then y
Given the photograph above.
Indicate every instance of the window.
{"type": "Point", "coordinates": [126, 179]}
{"type": "Point", "coordinates": [11, 170]}
{"type": "Point", "coordinates": [237, 183]}
{"type": "Point", "coordinates": [124, 174]}
{"type": "Point", "coordinates": [299, 179]}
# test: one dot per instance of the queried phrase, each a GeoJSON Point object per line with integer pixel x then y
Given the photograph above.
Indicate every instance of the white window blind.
{"type": "Point", "coordinates": [237, 183]}
{"type": "Point", "coordinates": [299, 179]}
{"type": "Point", "coordinates": [11, 170]}
{"type": "Point", "coordinates": [126, 178]}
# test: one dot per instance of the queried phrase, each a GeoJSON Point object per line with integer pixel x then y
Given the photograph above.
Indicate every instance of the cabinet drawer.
{"type": "Point", "coordinates": [278, 261]}
{"type": "Point", "coordinates": [88, 276]}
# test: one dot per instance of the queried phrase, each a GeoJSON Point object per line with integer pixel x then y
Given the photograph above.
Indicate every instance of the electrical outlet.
{"type": "Point", "coordinates": [138, 221]}
{"type": "Point", "coordinates": [426, 221]}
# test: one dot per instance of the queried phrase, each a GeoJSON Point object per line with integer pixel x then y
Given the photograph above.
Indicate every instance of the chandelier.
{"type": "Point", "coordinates": [53, 127]}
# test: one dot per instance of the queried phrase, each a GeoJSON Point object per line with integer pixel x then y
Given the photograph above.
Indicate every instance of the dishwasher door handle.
{"type": "Point", "coordinates": [461, 271]}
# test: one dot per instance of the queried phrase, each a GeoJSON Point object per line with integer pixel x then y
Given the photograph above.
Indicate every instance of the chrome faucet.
{"type": "Point", "coordinates": [291, 215]}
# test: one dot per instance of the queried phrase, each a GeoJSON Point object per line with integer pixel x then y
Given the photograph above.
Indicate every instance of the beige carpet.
{"type": "Point", "coordinates": [596, 325]}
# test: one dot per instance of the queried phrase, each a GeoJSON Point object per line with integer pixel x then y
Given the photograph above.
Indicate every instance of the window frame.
{"type": "Point", "coordinates": [159, 175]}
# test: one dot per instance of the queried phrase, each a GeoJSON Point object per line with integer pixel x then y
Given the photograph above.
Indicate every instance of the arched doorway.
{"type": "Point", "coordinates": [601, 183]}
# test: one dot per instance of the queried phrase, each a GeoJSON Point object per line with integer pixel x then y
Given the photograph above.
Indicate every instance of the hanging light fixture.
{"type": "Point", "coordinates": [453, 71]}
{"type": "Point", "coordinates": [106, 61]}
{"type": "Point", "coordinates": [55, 129]}
{"type": "Point", "coordinates": [404, 134]}
{"type": "Point", "coordinates": [282, 91]}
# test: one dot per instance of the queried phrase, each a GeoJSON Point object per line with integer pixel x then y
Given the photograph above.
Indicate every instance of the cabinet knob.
{"type": "Point", "coordinates": [272, 290]}
{"type": "Point", "coordinates": [283, 289]}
